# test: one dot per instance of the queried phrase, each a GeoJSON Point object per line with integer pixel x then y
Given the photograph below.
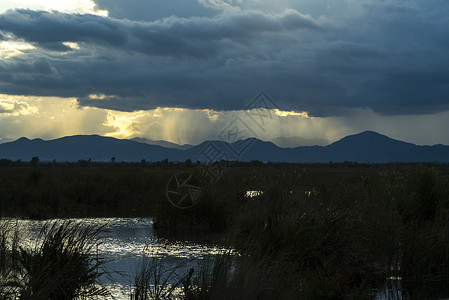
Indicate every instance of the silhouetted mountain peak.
{"type": "Point", "coordinates": [365, 134]}
{"type": "Point", "coordinates": [370, 135]}
{"type": "Point", "coordinates": [366, 138]}
{"type": "Point", "coordinates": [369, 132]}
{"type": "Point", "coordinates": [87, 137]}
{"type": "Point", "coordinates": [23, 139]}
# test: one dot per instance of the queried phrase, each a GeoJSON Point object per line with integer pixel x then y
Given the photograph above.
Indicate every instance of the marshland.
{"type": "Point", "coordinates": [333, 231]}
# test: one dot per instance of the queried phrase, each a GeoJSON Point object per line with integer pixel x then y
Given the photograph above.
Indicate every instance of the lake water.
{"type": "Point", "coordinates": [125, 243]}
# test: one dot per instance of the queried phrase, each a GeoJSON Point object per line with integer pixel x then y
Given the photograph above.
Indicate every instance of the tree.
{"type": "Point", "coordinates": [188, 163]}
{"type": "Point", "coordinates": [34, 161]}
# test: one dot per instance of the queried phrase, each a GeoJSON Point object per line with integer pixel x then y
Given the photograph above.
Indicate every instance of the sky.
{"type": "Point", "coordinates": [185, 70]}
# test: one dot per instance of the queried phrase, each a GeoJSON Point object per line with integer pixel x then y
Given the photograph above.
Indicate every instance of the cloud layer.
{"type": "Point", "coordinates": [326, 58]}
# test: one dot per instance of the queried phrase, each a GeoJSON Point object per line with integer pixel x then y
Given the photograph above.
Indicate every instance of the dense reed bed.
{"type": "Point", "coordinates": [314, 233]}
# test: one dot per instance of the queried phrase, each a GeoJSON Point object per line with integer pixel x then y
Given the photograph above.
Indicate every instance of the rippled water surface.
{"type": "Point", "coordinates": [124, 244]}
{"type": "Point", "coordinates": [126, 241]}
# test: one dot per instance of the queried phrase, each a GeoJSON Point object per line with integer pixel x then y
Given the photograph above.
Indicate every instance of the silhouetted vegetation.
{"type": "Point", "coordinates": [326, 231]}
{"type": "Point", "coordinates": [58, 265]}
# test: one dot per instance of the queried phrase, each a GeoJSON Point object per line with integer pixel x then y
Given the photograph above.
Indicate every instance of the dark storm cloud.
{"type": "Point", "coordinates": [39, 66]}
{"type": "Point", "coordinates": [170, 36]}
{"type": "Point", "coordinates": [151, 10]}
{"type": "Point", "coordinates": [392, 57]}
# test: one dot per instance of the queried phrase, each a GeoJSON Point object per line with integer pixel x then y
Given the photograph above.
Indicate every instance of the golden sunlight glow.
{"type": "Point", "coordinates": [72, 45]}
{"type": "Point", "coordinates": [13, 48]}
{"type": "Point", "coordinates": [12, 107]}
{"type": "Point", "coordinates": [98, 96]}
{"type": "Point", "coordinates": [123, 123]}
{"type": "Point", "coordinates": [47, 117]}
{"type": "Point", "coordinates": [290, 113]}
{"type": "Point", "coordinates": [66, 6]}
{"type": "Point", "coordinates": [170, 109]}
{"type": "Point", "coordinates": [6, 106]}
{"type": "Point", "coordinates": [74, 6]}
{"type": "Point", "coordinates": [211, 114]}
{"type": "Point", "coordinates": [53, 117]}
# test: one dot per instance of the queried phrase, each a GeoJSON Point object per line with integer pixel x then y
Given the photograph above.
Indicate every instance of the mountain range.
{"type": "Point", "coordinates": [295, 141]}
{"type": "Point", "coordinates": [162, 143]}
{"type": "Point", "coordinates": [365, 147]}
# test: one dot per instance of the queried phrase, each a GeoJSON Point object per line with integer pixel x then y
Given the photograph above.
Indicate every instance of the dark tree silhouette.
{"type": "Point", "coordinates": [34, 161]}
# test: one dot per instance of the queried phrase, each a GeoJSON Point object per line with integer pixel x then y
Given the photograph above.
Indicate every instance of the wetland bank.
{"type": "Point", "coordinates": [303, 231]}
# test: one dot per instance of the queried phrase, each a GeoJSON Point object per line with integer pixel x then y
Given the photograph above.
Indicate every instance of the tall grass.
{"type": "Point", "coordinates": [80, 192]}
{"type": "Point", "coordinates": [158, 277]}
{"type": "Point", "coordinates": [60, 265]}
{"type": "Point", "coordinates": [227, 276]}
{"type": "Point", "coordinates": [320, 250]}
{"type": "Point", "coordinates": [328, 233]}
{"type": "Point", "coordinates": [9, 258]}
{"type": "Point", "coordinates": [222, 276]}
{"type": "Point", "coordinates": [348, 236]}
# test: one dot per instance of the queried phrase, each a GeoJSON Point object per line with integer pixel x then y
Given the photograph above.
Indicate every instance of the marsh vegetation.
{"type": "Point", "coordinates": [314, 233]}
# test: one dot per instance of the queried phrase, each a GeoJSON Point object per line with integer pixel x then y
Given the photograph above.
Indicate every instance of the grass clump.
{"type": "Point", "coordinates": [60, 265]}
{"type": "Point", "coordinates": [9, 258]}
{"type": "Point", "coordinates": [228, 276]}
{"type": "Point", "coordinates": [158, 277]}
{"type": "Point", "coordinates": [319, 249]}
{"type": "Point", "coordinates": [330, 233]}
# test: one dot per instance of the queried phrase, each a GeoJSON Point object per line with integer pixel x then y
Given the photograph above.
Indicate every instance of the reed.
{"type": "Point", "coordinates": [330, 233]}
{"type": "Point", "coordinates": [60, 265]}
{"type": "Point", "coordinates": [158, 277]}
{"type": "Point", "coordinates": [9, 257]}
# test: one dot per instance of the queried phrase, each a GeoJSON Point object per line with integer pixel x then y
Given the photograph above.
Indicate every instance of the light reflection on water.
{"type": "Point", "coordinates": [123, 246]}
{"type": "Point", "coordinates": [392, 291]}
{"type": "Point", "coordinates": [127, 240]}
{"type": "Point", "coordinates": [252, 194]}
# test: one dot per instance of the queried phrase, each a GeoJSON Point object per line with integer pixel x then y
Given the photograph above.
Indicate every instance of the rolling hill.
{"type": "Point", "coordinates": [365, 147]}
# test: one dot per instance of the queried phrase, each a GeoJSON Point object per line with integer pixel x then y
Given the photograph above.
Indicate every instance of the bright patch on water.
{"type": "Point", "coordinates": [124, 245]}
{"type": "Point", "coordinates": [393, 290]}
{"type": "Point", "coordinates": [310, 193]}
{"type": "Point", "coordinates": [252, 194]}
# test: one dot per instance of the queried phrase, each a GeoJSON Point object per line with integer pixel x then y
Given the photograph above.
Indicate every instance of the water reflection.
{"type": "Point", "coordinates": [393, 290]}
{"type": "Point", "coordinates": [127, 241]}
{"type": "Point", "coordinates": [311, 193]}
{"type": "Point", "coordinates": [124, 244]}
{"type": "Point", "coordinates": [252, 194]}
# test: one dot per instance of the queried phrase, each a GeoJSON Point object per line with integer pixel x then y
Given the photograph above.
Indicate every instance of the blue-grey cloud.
{"type": "Point", "coordinates": [390, 56]}
{"type": "Point", "coordinates": [171, 36]}
{"type": "Point", "coordinates": [151, 10]}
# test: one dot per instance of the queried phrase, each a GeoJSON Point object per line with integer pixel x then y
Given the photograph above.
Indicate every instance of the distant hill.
{"type": "Point", "coordinates": [74, 148]}
{"type": "Point", "coordinates": [162, 143]}
{"type": "Point", "coordinates": [5, 140]}
{"type": "Point", "coordinates": [365, 147]}
{"type": "Point", "coordinates": [292, 142]}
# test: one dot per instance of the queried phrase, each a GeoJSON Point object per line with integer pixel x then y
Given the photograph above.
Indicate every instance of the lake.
{"type": "Point", "coordinates": [125, 243]}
